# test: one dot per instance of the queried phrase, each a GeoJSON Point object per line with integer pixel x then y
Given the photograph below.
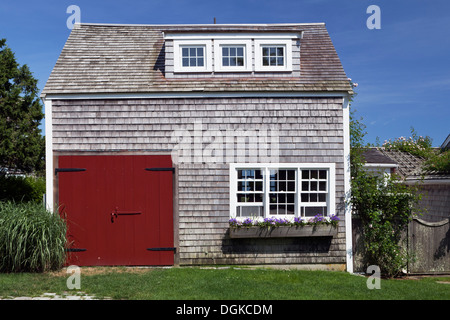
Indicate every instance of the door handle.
{"type": "Point", "coordinates": [116, 213]}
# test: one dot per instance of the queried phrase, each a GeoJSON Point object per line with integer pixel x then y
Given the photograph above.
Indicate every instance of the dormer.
{"type": "Point", "coordinates": [232, 54]}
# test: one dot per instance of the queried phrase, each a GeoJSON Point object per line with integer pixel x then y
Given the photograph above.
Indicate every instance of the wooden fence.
{"type": "Point", "coordinates": [427, 242]}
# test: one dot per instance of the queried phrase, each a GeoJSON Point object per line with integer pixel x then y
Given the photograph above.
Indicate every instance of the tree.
{"type": "Point", "coordinates": [383, 204]}
{"type": "Point", "coordinates": [22, 147]}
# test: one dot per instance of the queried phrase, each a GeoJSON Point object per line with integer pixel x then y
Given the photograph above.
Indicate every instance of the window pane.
{"type": "Point", "coordinates": [273, 209]}
{"type": "Point", "coordinates": [280, 51]}
{"type": "Point", "coordinates": [305, 186]}
{"type": "Point", "coordinates": [282, 209]}
{"type": "Point", "coordinates": [322, 186]}
{"type": "Point", "coordinates": [225, 52]}
{"type": "Point", "coordinates": [282, 175]}
{"type": "Point", "coordinates": [273, 174]}
{"type": "Point", "coordinates": [232, 62]}
{"type": "Point", "coordinates": [282, 186]}
{"type": "Point", "coordinates": [192, 62]}
{"type": "Point", "coordinates": [192, 52]}
{"type": "Point", "coordinates": [305, 197]}
{"type": "Point", "coordinates": [258, 197]}
{"type": "Point", "coordinates": [273, 186]}
{"type": "Point", "coordinates": [305, 174]}
{"type": "Point", "coordinates": [290, 198]}
{"type": "Point", "coordinates": [314, 174]}
{"type": "Point", "coordinates": [291, 175]}
{"type": "Point", "coordinates": [265, 61]}
{"type": "Point", "coordinates": [240, 62]}
{"type": "Point", "coordinates": [273, 52]}
{"type": "Point", "coordinates": [225, 62]}
{"type": "Point", "coordinates": [273, 198]}
{"type": "Point", "coordinates": [200, 52]}
{"type": "Point", "coordinates": [290, 209]}
{"type": "Point", "coordinates": [313, 186]}
{"type": "Point", "coordinates": [280, 62]}
{"type": "Point", "coordinates": [250, 211]}
{"type": "Point", "coordinates": [322, 197]}
{"type": "Point", "coordinates": [233, 52]}
{"type": "Point", "coordinates": [200, 62]}
{"type": "Point", "coordinates": [241, 186]}
{"type": "Point", "coordinates": [259, 186]}
{"type": "Point", "coordinates": [258, 174]}
{"type": "Point", "coordinates": [322, 174]}
{"type": "Point", "coordinates": [265, 51]}
{"type": "Point", "coordinates": [240, 52]}
{"type": "Point", "coordinates": [185, 52]}
{"type": "Point", "coordinates": [312, 211]}
{"type": "Point", "coordinates": [185, 62]}
{"type": "Point", "coordinates": [291, 186]}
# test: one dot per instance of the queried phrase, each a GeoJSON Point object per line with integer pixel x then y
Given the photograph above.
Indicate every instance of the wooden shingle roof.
{"type": "Point", "coordinates": [106, 59]}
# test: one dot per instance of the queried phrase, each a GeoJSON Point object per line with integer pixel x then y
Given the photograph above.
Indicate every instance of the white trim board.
{"type": "Point", "coordinates": [196, 94]}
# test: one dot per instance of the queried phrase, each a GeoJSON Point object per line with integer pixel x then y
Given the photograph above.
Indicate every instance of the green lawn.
{"type": "Point", "coordinates": [224, 284]}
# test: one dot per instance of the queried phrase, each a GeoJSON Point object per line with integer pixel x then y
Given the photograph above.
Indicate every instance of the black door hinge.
{"type": "Point", "coordinates": [160, 169]}
{"type": "Point", "coordinates": [69, 170]}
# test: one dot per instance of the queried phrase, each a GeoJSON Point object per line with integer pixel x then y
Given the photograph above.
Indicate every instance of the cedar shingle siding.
{"type": "Point", "coordinates": [310, 131]}
{"type": "Point", "coordinates": [110, 60]}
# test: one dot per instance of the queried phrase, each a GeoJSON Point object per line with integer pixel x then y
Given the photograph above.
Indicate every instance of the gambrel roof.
{"type": "Point", "coordinates": [104, 59]}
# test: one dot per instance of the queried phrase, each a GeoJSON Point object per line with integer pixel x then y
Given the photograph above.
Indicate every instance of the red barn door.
{"type": "Point", "coordinates": [118, 208]}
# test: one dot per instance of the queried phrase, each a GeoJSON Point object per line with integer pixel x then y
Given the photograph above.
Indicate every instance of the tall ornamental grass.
{"type": "Point", "coordinates": [32, 239]}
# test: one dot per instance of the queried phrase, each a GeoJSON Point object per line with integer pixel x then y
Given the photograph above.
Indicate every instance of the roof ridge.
{"type": "Point", "coordinates": [199, 25]}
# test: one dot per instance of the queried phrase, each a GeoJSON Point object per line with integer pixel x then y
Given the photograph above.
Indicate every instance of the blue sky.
{"type": "Point", "coordinates": [402, 69]}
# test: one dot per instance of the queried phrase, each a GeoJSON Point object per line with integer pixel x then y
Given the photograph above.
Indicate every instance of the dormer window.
{"type": "Point", "coordinates": [273, 55]}
{"type": "Point", "coordinates": [192, 56]}
{"type": "Point", "coordinates": [232, 53]}
{"type": "Point", "coordinates": [232, 56]}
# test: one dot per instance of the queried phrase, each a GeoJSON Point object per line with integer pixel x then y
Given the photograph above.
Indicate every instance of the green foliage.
{"type": "Point", "coordinates": [435, 160]}
{"type": "Point", "coordinates": [384, 206]}
{"type": "Point", "coordinates": [416, 145]}
{"type": "Point", "coordinates": [439, 162]}
{"type": "Point", "coordinates": [18, 189]}
{"type": "Point", "coordinates": [32, 239]}
{"type": "Point", "coordinates": [22, 146]}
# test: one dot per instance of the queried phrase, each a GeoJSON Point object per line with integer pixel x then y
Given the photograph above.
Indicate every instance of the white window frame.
{"type": "Point", "coordinates": [260, 43]}
{"type": "Point", "coordinates": [266, 167]}
{"type": "Point", "coordinates": [248, 59]}
{"type": "Point", "coordinates": [178, 56]}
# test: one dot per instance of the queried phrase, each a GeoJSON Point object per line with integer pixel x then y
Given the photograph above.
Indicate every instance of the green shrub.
{"type": "Point", "coordinates": [22, 189]}
{"type": "Point", "coordinates": [32, 239]}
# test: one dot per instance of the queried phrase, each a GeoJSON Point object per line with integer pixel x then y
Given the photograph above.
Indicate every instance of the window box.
{"type": "Point", "coordinates": [320, 230]}
{"type": "Point", "coordinates": [318, 226]}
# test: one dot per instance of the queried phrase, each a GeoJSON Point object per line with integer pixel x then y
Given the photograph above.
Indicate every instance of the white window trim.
{"type": "Point", "coordinates": [177, 55]}
{"type": "Point", "coordinates": [248, 58]}
{"type": "Point", "coordinates": [272, 42]}
{"type": "Point", "coordinates": [331, 199]}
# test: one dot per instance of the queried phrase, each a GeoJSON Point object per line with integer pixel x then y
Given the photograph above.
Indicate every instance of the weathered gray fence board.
{"type": "Point", "coordinates": [429, 242]}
